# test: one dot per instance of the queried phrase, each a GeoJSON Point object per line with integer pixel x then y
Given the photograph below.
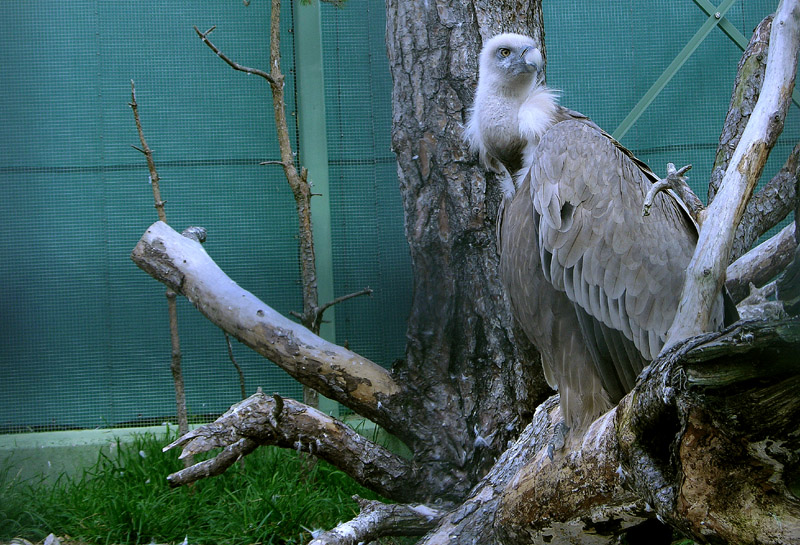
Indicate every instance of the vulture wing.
{"type": "Point", "coordinates": [547, 316]}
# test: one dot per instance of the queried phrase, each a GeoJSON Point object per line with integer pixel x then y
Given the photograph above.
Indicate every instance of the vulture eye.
{"type": "Point", "coordinates": [504, 52]}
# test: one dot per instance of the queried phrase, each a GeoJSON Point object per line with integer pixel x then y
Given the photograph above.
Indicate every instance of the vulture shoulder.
{"type": "Point", "coordinates": [623, 272]}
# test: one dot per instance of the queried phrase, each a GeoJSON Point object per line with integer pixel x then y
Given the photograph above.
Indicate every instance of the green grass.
{"type": "Point", "coordinates": [124, 499]}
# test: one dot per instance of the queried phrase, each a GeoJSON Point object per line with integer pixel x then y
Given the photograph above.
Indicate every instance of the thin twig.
{"type": "Point", "coordinates": [236, 365]}
{"type": "Point", "coordinates": [148, 154]}
{"type": "Point", "coordinates": [320, 311]}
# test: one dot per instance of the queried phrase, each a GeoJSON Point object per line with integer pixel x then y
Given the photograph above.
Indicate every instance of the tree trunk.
{"type": "Point", "coordinates": [465, 365]}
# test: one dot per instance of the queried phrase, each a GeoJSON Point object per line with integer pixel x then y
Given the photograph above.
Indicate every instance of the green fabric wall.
{"type": "Point", "coordinates": [84, 339]}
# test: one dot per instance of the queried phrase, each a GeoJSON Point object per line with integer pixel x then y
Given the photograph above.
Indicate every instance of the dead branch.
{"type": "Point", "coordinates": [675, 181]}
{"type": "Point", "coordinates": [378, 519]}
{"type": "Point", "coordinates": [236, 365]}
{"type": "Point", "coordinates": [235, 65]}
{"type": "Point", "coordinates": [217, 465]}
{"type": "Point", "coordinates": [298, 180]}
{"type": "Point", "coordinates": [184, 266]}
{"type": "Point", "coordinates": [148, 154]}
{"type": "Point", "coordinates": [341, 299]}
{"type": "Point", "coordinates": [312, 313]}
{"type": "Point", "coordinates": [705, 274]}
{"type": "Point", "coordinates": [761, 264]}
{"type": "Point", "coordinates": [286, 423]}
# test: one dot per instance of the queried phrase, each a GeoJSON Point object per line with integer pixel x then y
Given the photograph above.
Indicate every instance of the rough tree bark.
{"type": "Point", "coordinates": [489, 464]}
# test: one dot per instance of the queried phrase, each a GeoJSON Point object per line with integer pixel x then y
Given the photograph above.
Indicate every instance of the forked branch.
{"type": "Point", "coordinates": [706, 271]}
{"type": "Point", "coordinates": [262, 420]}
{"type": "Point", "coordinates": [675, 181]}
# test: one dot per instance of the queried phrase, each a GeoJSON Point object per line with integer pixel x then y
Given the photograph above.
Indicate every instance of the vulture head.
{"type": "Point", "coordinates": [512, 60]}
{"type": "Point", "coordinates": [512, 106]}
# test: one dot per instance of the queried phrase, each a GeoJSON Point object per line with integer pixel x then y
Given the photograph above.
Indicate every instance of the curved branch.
{"type": "Point", "coordinates": [706, 271]}
{"type": "Point", "coordinates": [262, 420]}
{"type": "Point", "coordinates": [352, 380]}
{"type": "Point", "coordinates": [676, 181]}
{"type": "Point", "coordinates": [235, 65]}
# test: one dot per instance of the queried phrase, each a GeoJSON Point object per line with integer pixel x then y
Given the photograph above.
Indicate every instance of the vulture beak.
{"type": "Point", "coordinates": [532, 57]}
{"type": "Point", "coordinates": [529, 61]}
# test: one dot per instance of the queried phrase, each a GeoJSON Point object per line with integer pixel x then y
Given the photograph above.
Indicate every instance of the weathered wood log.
{"type": "Point", "coordinates": [708, 440]}
{"type": "Point", "coordinates": [378, 519]}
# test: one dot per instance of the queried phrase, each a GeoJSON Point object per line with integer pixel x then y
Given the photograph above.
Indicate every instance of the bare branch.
{"type": "Point", "coordinates": [343, 298]}
{"type": "Point", "coordinates": [176, 355]}
{"type": "Point", "coordinates": [298, 181]}
{"type": "Point", "coordinates": [318, 314]}
{"type": "Point", "coordinates": [236, 365]}
{"type": "Point", "coordinates": [148, 154]}
{"type": "Point", "coordinates": [761, 264]}
{"type": "Point", "coordinates": [263, 420]}
{"type": "Point", "coordinates": [705, 273]}
{"type": "Point", "coordinates": [215, 466]}
{"type": "Point", "coordinates": [235, 65]}
{"type": "Point", "coordinates": [378, 519]}
{"type": "Point", "coordinates": [183, 265]}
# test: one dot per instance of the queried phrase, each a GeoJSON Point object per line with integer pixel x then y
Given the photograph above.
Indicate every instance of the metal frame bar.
{"type": "Point", "coordinates": [736, 37]}
{"type": "Point", "coordinates": [313, 154]}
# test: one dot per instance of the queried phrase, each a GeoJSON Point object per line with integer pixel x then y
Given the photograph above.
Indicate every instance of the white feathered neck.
{"type": "Point", "coordinates": [505, 113]}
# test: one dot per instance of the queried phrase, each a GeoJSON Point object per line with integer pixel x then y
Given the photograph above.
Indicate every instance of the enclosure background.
{"type": "Point", "coordinates": [84, 339]}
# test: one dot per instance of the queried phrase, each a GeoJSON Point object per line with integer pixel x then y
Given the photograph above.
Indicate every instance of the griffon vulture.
{"type": "Point", "coordinates": [592, 283]}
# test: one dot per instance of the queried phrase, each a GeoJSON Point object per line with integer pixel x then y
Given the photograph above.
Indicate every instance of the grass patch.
{"type": "Point", "coordinates": [270, 498]}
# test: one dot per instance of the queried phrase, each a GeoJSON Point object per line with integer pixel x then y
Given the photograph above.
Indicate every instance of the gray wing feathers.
{"type": "Point", "coordinates": [547, 316]}
{"type": "Point", "coordinates": [621, 269]}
